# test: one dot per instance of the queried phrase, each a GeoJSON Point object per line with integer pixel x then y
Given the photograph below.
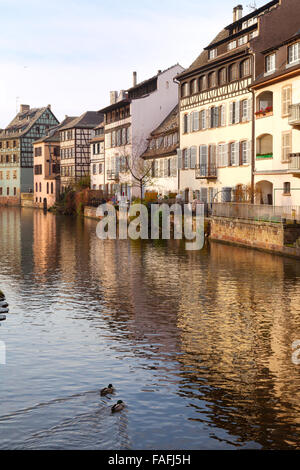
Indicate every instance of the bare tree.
{"type": "Point", "coordinates": [134, 168]}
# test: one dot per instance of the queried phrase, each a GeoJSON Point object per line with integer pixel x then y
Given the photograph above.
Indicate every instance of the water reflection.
{"type": "Point", "coordinates": [199, 343]}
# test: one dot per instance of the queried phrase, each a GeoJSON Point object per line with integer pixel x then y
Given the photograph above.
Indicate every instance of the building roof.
{"type": "Point", "coordinates": [141, 84]}
{"type": "Point", "coordinates": [116, 105]}
{"type": "Point", "coordinates": [225, 34]}
{"type": "Point", "coordinates": [281, 70]}
{"type": "Point", "coordinates": [53, 133]}
{"type": "Point", "coordinates": [168, 125]}
{"type": "Point", "coordinates": [88, 120]}
{"type": "Point", "coordinates": [23, 122]}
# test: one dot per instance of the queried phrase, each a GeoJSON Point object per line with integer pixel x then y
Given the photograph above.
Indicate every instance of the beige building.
{"type": "Point", "coordinates": [163, 143]}
{"type": "Point", "coordinates": [97, 158]}
{"type": "Point", "coordinates": [277, 125]}
{"type": "Point", "coordinates": [46, 167]}
{"type": "Point", "coordinates": [129, 119]}
{"type": "Point", "coordinates": [75, 147]}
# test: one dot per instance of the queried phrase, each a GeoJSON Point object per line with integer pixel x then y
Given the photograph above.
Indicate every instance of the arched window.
{"type": "Point", "coordinates": [245, 68]}
{"type": "Point", "coordinates": [184, 90]}
{"type": "Point", "coordinates": [264, 146]}
{"type": "Point", "coordinates": [212, 82]}
{"type": "Point", "coordinates": [203, 82]}
{"type": "Point", "coordinates": [222, 76]}
{"type": "Point", "coordinates": [264, 102]}
{"type": "Point", "coordinates": [194, 86]}
{"type": "Point", "coordinates": [233, 72]}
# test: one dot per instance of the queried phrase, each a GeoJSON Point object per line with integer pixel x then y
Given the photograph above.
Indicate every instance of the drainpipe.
{"type": "Point", "coordinates": [253, 133]}
{"type": "Point", "coordinates": [179, 122]}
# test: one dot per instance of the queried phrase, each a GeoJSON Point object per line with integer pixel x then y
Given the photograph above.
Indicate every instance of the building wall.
{"type": "Point", "coordinates": [227, 176]}
{"type": "Point", "coordinates": [276, 124]}
{"type": "Point", "coordinates": [97, 164]}
{"type": "Point", "coordinates": [46, 186]}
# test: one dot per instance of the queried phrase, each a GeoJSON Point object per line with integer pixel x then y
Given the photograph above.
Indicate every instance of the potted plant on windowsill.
{"type": "Point", "coordinates": [264, 112]}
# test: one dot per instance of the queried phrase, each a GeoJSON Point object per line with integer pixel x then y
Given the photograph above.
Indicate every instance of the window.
{"type": "Point", "coordinates": [242, 40]}
{"type": "Point", "coordinates": [0, 191]}
{"type": "Point", "coordinates": [222, 76]}
{"type": "Point", "coordinates": [194, 86]}
{"type": "Point", "coordinates": [233, 72]}
{"type": "Point", "coordinates": [214, 117]}
{"type": "Point", "coordinates": [245, 68]}
{"type": "Point", "coordinates": [286, 146]}
{"type": "Point", "coordinates": [287, 188]}
{"type": "Point", "coordinates": [94, 169]}
{"type": "Point", "coordinates": [234, 154]}
{"type": "Point", "coordinates": [245, 149]}
{"type": "Point", "coordinates": [212, 54]}
{"type": "Point", "coordinates": [222, 154]}
{"type": "Point", "coordinates": [184, 90]}
{"type": "Point", "coordinates": [212, 81]}
{"type": "Point", "coordinates": [234, 112]}
{"type": "Point", "coordinates": [203, 83]}
{"type": "Point", "coordinates": [47, 188]}
{"type": "Point", "coordinates": [286, 99]}
{"type": "Point", "coordinates": [51, 188]}
{"type": "Point", "coordinates": [38, 151]}
{"type": "Point", "coordinates": [246, 110]}
{"type": "Point", "coordinates": [14, 174]}
{"type": "Point", "coordinates": [294, 53]}
{"type": "Point", "coordinates": [270, 63]}
{"type": "Point", "coordinates": [7, 191]}
{"type": "Point", "coordinates": [203, 119]}
{"type": "Point", "coordinates": [195, 120]}
{"type": "Point", "coordinates": [185, 123]}
{"type": "Point", "coordinates": [232, 45]}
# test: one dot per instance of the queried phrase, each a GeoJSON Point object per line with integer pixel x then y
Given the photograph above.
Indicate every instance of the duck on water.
{"type": "Point", "coordinates": [3, 306]}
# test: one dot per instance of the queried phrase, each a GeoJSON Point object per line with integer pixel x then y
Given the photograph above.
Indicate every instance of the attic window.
{"type": "Point", "coordinates": [232, 45]}
{"type": "Point", "coordinates": [212, 54]}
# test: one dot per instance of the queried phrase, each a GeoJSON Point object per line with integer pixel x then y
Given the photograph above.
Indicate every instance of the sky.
{"type": "Point", "coordinates": [72, 53]}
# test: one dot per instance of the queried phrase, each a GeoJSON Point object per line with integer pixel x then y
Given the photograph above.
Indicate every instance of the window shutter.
{"type": "Point", "coordinates": [212, 156]}
{"type": "Point", "coordinates": [219, 155]}
{"type": "Point", "coordinates": [196, 121]}
{"type": "Point", "coordinates": [208, 118]}
{"type": "Point", "coordinates": [249, 109]}
{"type": "Point", "coordinates": [193, 156]}
{"type": "Point", "coordinates": [226, 155]}
{"type": "Point", "coordinates": [179, 159]}
{"type": "Point", "coordinates": [187, 163]}
{"type": "Point", "coordinates": [237, 111]}
{"type": "Point", "coordinates": [230, 113]}
{"type": "Point", "coordinates": [189, 123]}
{"type": "Point", "coordinates": [223, 115]}
{"type": "Point", "coordinates": [165, 167]}
{"type": "Point", "coordinates": [237, 153]}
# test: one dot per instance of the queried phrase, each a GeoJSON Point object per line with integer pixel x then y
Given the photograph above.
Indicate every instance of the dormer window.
{"type": "Point", "coordinates": [294, 53]}
{"type": "Point", "coordinates": [194, 86]}
{"type": "Point", "coordinates": [232, 45]}
{"type": "Point", "coordinates": [242, 40]}
{"type": "Point", "coordinates": [212, 54]}
{"type": "Point", "coordinates": [184, 90]}
{"type": "Point", "coordinates": [270, 63]}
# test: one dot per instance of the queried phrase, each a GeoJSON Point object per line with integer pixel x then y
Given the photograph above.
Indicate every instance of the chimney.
{"type": "Point", "coordinates": [49, 106]}
{"type": "Point", "coordinates": [113, 97]}
{"type": "Point", "coordinates": [122, 95]}
{"type": "Point", "coordinates": [134, 78]}
{"type": "Point", "coordinates": [237, 13]}
{"type": "Point", "coordinates": [24, 108]}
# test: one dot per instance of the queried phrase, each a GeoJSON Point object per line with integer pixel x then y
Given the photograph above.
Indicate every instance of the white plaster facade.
{"type": "Point", "coordinates": [279, 174]}
{"type": "Point", "coordinates": [128, 135]}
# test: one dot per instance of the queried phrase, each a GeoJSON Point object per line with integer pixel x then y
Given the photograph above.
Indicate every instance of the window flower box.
{"type": "Point", "coordinates": [264, 155]}
{"type": "Point", "coordinates": [268, 111]}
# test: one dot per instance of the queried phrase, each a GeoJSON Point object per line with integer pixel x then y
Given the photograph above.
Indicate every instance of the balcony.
{"type": "Point", "coordinates": [294, 114]}
{"type": "Point", "coordinates": [206, 172]}
{"type": "Point", "coordinates": [294, 164]}
{"type": "Point", "coordinates": [112, 175]}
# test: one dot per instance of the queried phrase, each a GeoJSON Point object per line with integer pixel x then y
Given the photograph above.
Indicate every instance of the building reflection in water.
{"type": "Point", "coordinates": [218, 323]}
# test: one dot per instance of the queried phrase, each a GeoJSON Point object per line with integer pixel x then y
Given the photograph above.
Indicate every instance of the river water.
{"type": "Point", "coordinates": [197, 344]}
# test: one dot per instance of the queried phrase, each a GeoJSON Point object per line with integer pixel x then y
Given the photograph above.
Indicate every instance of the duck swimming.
{"type": "Point", "coordinates": [119, 406]}
{"type": "Point", "coordinates": [107, 390]}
